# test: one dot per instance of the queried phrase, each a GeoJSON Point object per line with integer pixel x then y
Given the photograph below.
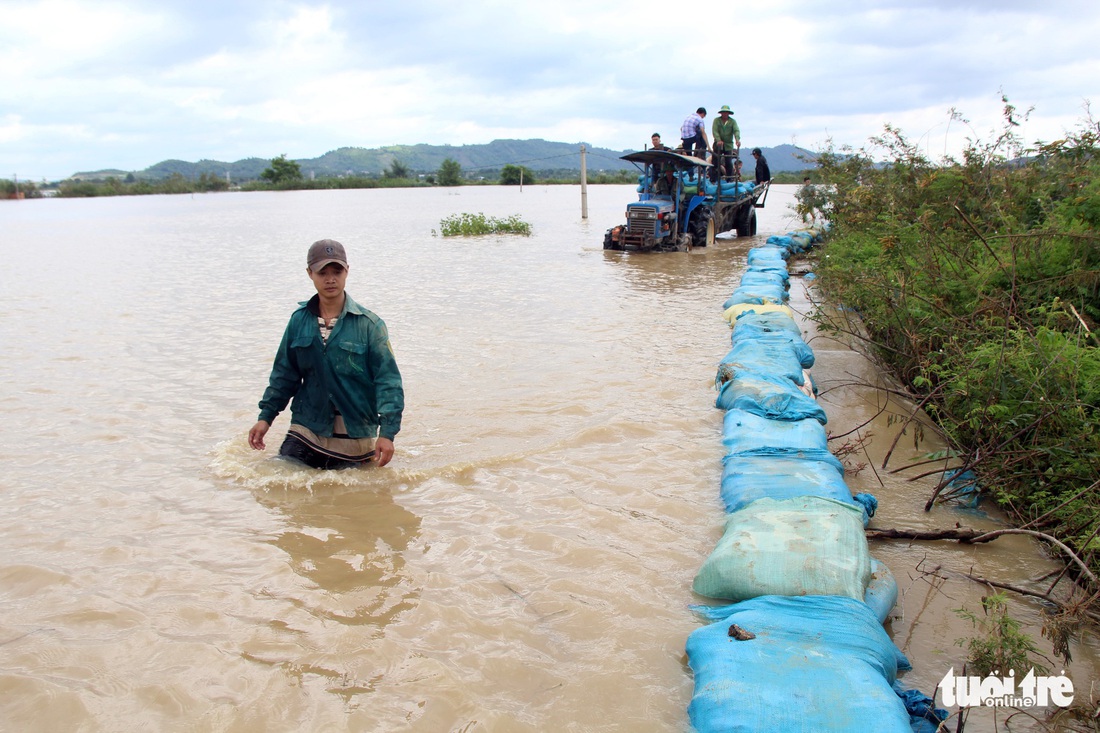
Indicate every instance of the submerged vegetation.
{"type": "Point", "coordinates": [977, 282]}
{"type": "Point", "coordinates": [1001, 646]}
{"type": "Point", "coordinates": [467, 225]}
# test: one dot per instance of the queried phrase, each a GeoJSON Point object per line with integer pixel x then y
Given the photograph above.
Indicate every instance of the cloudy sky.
{"type": "Point", "coordinates": [93, 84]}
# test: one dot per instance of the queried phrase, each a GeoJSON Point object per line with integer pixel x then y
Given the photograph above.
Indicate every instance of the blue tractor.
{"type": "Point", "coordinates": [679, 206]}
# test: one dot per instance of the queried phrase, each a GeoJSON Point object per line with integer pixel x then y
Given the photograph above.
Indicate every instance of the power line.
{"type": "Point", "coordinates": [517, 162]}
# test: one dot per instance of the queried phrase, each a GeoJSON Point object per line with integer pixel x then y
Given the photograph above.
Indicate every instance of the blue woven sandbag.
{"type": "Point", "coordinates": [747, 477]}
{"type": "Point", "coordinates": [758, 295]}
{"type": "Point", "coordinates": [762, 356]}
{"type": "Point", "coordinates": [744, 432]}
{"type": "Point", "coordinates": [765, 323]}
{"type": "Point", "coordinates": [735, 189]}
{"type": "Point", "coordinates": [815, 664]}
{"type": "Point", "coordinates": [772, 253]}
{"type": "Point", "coordinates": [778, 267]}
{"type": "Point", "coordinates": [802, 351]}
{"type": "Point", "coordinates": [777, 398]}
{"type": "Point", "coordinates": [753, 276]}
{"type": "Point", "coordinates": [882, 591]}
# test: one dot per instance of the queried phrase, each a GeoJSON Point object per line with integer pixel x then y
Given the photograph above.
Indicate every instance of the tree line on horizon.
{"type": "Point", "coordinates": [285, 174]}
{"type": "Point", "coordinates": [547, 159]}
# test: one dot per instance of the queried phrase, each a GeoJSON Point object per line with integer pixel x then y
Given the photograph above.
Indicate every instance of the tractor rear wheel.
{"type": "Point", "coordinates": [703, 228]}
{"type": "Point", "coordinates": [746, 223]}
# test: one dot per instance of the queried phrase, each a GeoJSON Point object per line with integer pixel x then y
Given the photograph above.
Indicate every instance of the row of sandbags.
{"type": "Point", "coordinates": [728, 189]}
{"type": "Point", "coordinates": [802, 648]}
{"type": "Point", "coordinates": [724, 190]}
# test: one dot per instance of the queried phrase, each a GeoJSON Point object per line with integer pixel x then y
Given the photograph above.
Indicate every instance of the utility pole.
{"type": "Point", "coordinates": [584, 186]}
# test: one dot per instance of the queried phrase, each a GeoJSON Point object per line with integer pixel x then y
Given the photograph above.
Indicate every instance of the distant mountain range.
{"type": "Point", "coordinates": [489, 158]}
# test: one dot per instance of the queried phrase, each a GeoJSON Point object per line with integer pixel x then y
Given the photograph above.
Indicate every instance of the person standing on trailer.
{"type": "Point", "coordinates": [693, 133]}
{"type": "Point", "coordinates": [763, 173]}
{"type": "Point", "coordinates": [727, 139]}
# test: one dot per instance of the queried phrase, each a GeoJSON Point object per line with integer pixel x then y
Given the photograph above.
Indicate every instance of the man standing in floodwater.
{"type": "Point", "coordinates": [336, 362]}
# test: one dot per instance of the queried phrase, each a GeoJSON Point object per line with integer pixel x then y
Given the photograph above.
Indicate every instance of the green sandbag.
{"type": "Point", "coordinates": [806, 545]}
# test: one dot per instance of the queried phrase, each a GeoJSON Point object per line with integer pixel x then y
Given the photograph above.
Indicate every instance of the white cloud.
{"type": "Point", "coordinates": [127, 84]}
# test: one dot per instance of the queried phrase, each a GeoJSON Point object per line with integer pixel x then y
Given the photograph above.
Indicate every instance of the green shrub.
{"type": "Point", "coordinates": [466, 225]}
{"type": "Point", "coordinates": [978, 284]}
{"type": "Point", "coordinates": [1000, 646]}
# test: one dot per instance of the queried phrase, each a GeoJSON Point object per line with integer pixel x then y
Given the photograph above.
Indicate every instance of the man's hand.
{"type": "Point", "coordinates": [257, 433]}
{"type": "Point", "coordinates": [383, 451]}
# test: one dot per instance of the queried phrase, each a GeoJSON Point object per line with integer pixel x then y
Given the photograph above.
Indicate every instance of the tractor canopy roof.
{"type": "Point", "coordinates": [651, 157]}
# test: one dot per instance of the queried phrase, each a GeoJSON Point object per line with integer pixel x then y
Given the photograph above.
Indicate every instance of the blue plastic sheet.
{"type": "Point", "coordinates": [815, 665]}
{"type": "Point", "coordinates": [801, 239]}
{"type": "Point", "coordinates": [964, 487]}
{"type": "Point", "coordinates": [777, 398]}
{"type": "Point", "coordinates": [924, 716]}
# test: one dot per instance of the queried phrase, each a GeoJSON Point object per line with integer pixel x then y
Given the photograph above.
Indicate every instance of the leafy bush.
{"type": "Point", "coordinates": [978, 284]}
{"type": "Point", "coordinates": [450, 173]}
{"type": "Point", "coordinates": [1001, 646]}
{"type": "Point", "coordinates": [514, 175]}
{"type": "Point", "coordinates": [282, 170]}
{"type": "Point", "coordinates": [466, 225]}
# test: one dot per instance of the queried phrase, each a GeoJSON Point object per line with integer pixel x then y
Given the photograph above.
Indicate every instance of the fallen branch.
{"type": "Point", "coordinates": [1060, 604]}
{"type": "Point", "coordinates": [962, 534]}
{"type": "Point", "coordinates": [973, 537]}
{"type": "Point", "coordinates": [1046, 538]}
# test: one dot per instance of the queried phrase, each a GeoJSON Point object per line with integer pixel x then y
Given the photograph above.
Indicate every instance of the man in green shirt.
{"type": "Point", "coordinates": [727, 139]}
{"type": "Point", "coordinates": [335, 361]}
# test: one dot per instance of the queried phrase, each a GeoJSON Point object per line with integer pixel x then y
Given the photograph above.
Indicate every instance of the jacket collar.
{"type": "Point", "coordinates": [350, 306]}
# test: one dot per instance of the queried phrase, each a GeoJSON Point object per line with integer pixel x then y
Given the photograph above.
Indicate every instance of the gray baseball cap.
{"type": "Point", "coordinates": [323, 252]}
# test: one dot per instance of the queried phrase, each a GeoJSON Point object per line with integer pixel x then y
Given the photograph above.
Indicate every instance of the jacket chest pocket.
{"type": "Point", "coordinates": [303, 353]}
{"type": "Point", "coordinates": [349, 357]}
